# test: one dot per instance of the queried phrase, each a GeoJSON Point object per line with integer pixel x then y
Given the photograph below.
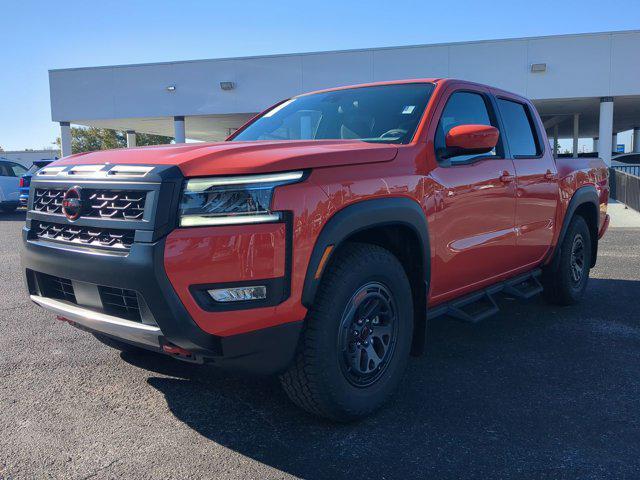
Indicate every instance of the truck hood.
{"type": "Point", "coordinates": [232, 158]}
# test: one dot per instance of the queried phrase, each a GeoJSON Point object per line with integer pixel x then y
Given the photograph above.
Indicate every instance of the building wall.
{"type": "Point", "coordinates": [27, 157]}
{"type": "Point", "coordinates": [588, 65]}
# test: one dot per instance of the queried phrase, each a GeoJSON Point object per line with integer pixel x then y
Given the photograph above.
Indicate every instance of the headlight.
{"type": "Point", "coordinates": [232, 200]}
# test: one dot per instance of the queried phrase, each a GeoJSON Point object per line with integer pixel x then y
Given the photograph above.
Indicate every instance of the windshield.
{"type": "Point", "coordinates": [384, 114]}
{"type": "Point", "coordinates": [38, 164]}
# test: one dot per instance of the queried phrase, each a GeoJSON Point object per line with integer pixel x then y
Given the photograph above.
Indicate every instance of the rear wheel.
{"type": "Point", "coordinates": [566, 284]}
{"type": "Point", "coordinates": [357, 336]}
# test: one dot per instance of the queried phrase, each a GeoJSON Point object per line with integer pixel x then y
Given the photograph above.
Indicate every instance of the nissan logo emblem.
{"type": "Point", "coordinates": [72, 203]}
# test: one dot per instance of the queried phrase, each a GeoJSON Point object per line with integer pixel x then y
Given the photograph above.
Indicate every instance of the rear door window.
{"type": "Point", "coordinates": [5, 171]}
{"type": "Point", "coordinates": [17, 169]}
{"type": "Point", "coordinates": [518, 125]}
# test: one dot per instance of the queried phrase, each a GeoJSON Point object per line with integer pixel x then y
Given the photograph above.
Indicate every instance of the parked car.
{"type": "Point", "coordinates": [626, 159]}
{"type": "Point", "coordinates": [10, 173]}
{"type": "Point", "coordinates": [319, 238]}
{"type": "Point", "coordinates": [25, 180]}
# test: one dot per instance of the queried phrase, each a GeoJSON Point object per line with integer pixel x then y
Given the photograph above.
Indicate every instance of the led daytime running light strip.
{"type": "Point", "coordinates": [202, 184]}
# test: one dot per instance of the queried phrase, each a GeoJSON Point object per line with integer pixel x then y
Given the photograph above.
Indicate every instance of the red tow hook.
{"type": "Point", "coordinates": [172, 349]}
{"type": "Point", "coordinates": [65, 319]}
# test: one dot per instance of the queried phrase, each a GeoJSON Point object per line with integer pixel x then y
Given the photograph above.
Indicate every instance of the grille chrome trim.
{"type": "Point", "coordinates": [86, 236]}
{"type": "Point", "coordinates": [48, 200]}
{"type": "Point", "coordinates": [113, 204]}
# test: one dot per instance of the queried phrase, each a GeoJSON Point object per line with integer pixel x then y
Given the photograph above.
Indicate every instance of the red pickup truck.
{"type": "Point", "coordinates": [319, 238]}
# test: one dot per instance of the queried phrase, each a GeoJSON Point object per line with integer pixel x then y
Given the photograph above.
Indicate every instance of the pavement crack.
{"type": "Point", "coordinates": [98, 470]}
{"type": "Point", "coordinates": [16, 307]}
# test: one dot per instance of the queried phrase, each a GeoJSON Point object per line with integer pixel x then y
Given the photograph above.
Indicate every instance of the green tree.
{"type": "Point", "coordinates": [91, 139]}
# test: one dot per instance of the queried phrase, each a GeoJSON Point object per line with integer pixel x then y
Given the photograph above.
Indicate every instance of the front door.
{"type": "Point", "coordinates": [474, 227]}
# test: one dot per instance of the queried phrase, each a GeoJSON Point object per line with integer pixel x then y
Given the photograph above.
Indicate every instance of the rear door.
{"type": "Point", "coordinates": [9, 181]}
{"type": "Point", "coordinates": [474, 224]}
{"type": "Point", "coordinates": [537, 180]}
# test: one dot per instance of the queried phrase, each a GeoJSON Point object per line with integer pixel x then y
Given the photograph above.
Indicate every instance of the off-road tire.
{"type": "Point", "coordinates": [561, 286]}
{"type": "Point", "coordinates": [317, 381]}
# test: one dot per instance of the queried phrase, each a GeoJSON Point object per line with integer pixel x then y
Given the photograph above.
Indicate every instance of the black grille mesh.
{"type": "Point", "coordinates": [89, 236]}
{"type": "Point", "coordinates": [57, 287]}
{"type": "Point", "coordinates": [120, 303]}
{"type": "Point", "coordinates": [112, 204]}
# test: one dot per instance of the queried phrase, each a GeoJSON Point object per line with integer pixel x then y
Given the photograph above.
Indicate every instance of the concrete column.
{"type": "Point", "coordinates": [614, 142]}
{"type": "Point", "coordinates": [555, 140]}
{"type": "Point", "coordinates": [636, 140]}
{"type": "Point", "coordinates": [178, 128]}
{"type": "Point", "coordinates": [65, 138]}
{"type": "Point", "coordinates": [131, 138]}
{"type": "Point", "coordinates": [576, 131]}
{"type": "Point", "coordinates": [605, 132]}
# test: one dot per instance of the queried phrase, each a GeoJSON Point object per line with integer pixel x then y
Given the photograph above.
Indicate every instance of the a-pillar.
{"type": "Point", "coordinates": [605, 131]}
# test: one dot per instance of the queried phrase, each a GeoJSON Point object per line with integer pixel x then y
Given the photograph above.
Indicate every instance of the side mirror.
{"type": "Point", "coordinates": [470, 140]}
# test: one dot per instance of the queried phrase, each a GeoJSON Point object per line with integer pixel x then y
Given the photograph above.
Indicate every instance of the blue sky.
{"type": "Point", "coordinates": [36, 36]}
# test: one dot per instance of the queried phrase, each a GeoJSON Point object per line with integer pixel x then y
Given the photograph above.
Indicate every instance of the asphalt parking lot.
{"type": "Point", "coordinates": [534, 392]}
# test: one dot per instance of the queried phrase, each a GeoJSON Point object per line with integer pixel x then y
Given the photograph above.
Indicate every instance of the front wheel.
{"type": "Point", "coordinates": [357, 336]}
{"type": "Point", "coordinates": [566, 284]}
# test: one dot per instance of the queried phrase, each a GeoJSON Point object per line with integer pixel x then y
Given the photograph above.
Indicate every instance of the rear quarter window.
{"type": "Point", "coordinates": [518, 125]}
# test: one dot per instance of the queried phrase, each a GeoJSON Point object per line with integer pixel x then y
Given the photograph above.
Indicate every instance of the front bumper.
{"type": "Point", "coordinates": [139, 333]}
{"type": "Point", "coordinates": [263, 351]}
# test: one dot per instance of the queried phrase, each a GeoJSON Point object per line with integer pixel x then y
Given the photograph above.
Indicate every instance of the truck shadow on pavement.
{"type": "Point", "coordinates": [536, 391]}
{"type": "Point", "coordinates": [17, 216]}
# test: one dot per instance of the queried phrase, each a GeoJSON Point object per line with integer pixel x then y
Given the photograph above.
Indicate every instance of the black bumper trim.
{"type": "Point", "coordinates": [264, 351]}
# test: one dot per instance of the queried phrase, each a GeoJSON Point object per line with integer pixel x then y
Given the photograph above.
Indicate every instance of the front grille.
{"type": "Point", "coordinates": [87, 236]}
{"type": "Point", "coordinates": [120, 302]}
{"type": "Point", "coordinates": [56, 287]}
{"type": "Point", "coordinates": [99, 203]}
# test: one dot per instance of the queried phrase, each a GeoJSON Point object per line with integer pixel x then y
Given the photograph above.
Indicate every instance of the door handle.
{"type": "Point", "coordinates": [506, 177]}
{"type": "Point", "coordinates": [549, 175]}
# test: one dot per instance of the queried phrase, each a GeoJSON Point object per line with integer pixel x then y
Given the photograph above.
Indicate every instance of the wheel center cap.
{"type": "Point", "coordinates": [364, 334]}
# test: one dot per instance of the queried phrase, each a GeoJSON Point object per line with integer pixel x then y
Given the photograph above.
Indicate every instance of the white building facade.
{"type": "Point", "coordinates": [584, 86]}
{"type": "Point", "coordinates": [27, 157]}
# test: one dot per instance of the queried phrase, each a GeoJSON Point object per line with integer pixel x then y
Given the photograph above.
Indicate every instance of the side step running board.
{"type": "Point", "coordinates": [482, 304]}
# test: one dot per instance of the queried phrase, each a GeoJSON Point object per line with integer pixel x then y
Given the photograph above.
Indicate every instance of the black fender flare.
{"type": "Point", "coordinates": [361, 216]}
{"type": "Point", "coordinates": [584, 195]}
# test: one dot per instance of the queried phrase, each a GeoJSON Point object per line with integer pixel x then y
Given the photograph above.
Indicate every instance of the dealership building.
{"type": "Point", "coordinates": [585, 86]}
